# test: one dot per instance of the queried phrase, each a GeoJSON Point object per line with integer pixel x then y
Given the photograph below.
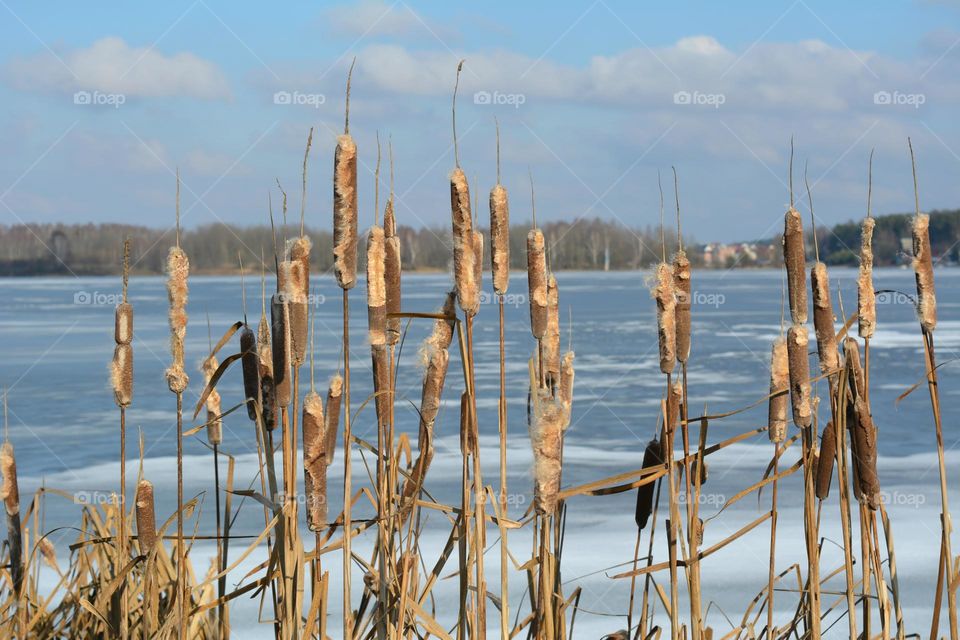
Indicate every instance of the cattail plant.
{"type": "Point", "coordinates": [828, 451]}
{"type": "Point", "coordinates": [866, 296]}
{"type": "Point", "coordinates": [799, 374]}
{"type": "Point", "coordinates": [251, 369]}
{"type": "Point", "coordinates": [499, 232]}
{"type": "Point", "coordinates": [392, 265]}
{"type": "Point", "coordinates": [376, 288]}
{"type": "Point", "coordinates": [315, 460]}
{"type": "Point", "coordinates": [332, 415]}
{"type": "Point", "coordinates": [652, 457]}
{"type": "Point", "coordinates": [863, 433]}
{"type": "Point", "coordinates": [147, 540]}
{"type": "Point", "coordinates": [297, 287]}
{"type": "Point", "coordinates": [268, 391]}
{"type": "Point", "coordinates": [682, 288]}
{"type": "Point", "coordinates": [178, 268]}
{"type": "Point", "coordinates": [663, 293]}
{"type": "Point", "coordinates": [10, 494]}
{"type": "Point", "coordinates": [546, 430]}
{"type": "Point", "coordinates": [779, 389]}
{"type": "Point", "coordinates": [794, 257]}
{"type": "Point", "coordinates": [537, 283]}
{"type": "Point", "coordinates": [551, 340]}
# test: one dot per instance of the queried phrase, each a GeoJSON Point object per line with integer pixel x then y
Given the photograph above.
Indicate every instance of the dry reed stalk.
{"type": "Point", "coordinates": [500, 238]}
{"type": "Point", "coordinates": [332, 414]}
{"type": "Point", "coordinates": [345, 212]}
{"type": "Point", "coordinates": [652, 457]}
{"type": "Point", "coordinates": [863, 433]}
{"type": "Point", "coordinates": [10, 494]}
{"type": "Point", "coordinates": [682, 288]}
{"type": "Point", "coordinates": [779, 384]}
{"type": "Point", "coordinates": [794, 257]}
{"type": "Point", "coordinates": [537, 283]}
{"type": "Point", "coordinates": [251, 370]}
{"type": "Point", "coordinates": [866, 297]}
{"type": "Point", "coordinates": [923, 266]}
{"type": "Point", "coordinates": [214, 422]}
{"type": "Point", "coordinates": [823, 321]}
{"type": "Point", "coordinates": [315, 460]}
{"type": "Point", "coordinates": [799, 370]}
{"type": "Point", "coordinates": [664, 294]}
{"type": "Point", "coordinates": [467, 445]}
{"type": "Point", "coordinates": [392, 268]}
{"type": "Point", "coordinates": [551, 340]}
{"type": "Point", "coordinates": [828, 452]}
{"type": "Point", "coordinates": [380, 356]}
{"type": "Point", "coordinates": [297, 288]}
{"type": "Point", "coordinates": [280, 348]}
{"type": "Point", "coordinates": [376, 288]}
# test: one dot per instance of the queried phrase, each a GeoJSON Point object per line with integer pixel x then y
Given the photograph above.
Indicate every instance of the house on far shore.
{"type": "Point", "coordinates": [718, 255]}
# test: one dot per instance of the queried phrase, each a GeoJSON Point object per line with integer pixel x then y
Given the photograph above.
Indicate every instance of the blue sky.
{"type": "Point", "coordinates": [593, 97]}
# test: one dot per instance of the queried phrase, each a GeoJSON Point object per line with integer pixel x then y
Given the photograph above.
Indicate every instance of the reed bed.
{"type": "Point", "coordinates": [130, 572]}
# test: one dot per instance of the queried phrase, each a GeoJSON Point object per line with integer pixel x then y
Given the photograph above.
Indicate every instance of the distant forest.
{"type": "Point", "coordinates": [588, 244]}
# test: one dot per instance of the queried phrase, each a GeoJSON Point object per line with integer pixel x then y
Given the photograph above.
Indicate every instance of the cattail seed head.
{"type": "Point", "coordinates": [315, 460]}
{"type": "Point", "coordinates": [663, 293]}
{"type": "Point", "coordinates": [923, 267]}
{"type": "Point", "coordinates": [682, 288]}
{"type": "Point", "coordinates": [551, 341]}
{"type": "Point", "coordinates": [866, 296]}
{"type": "Point", "coordinates": [823, 319]}
{"type": "Point", "coordinates": [433, 380]}
{"type": "Point", "coordinates": [794, 257]}
{"type": "Point", "coordinates": [863, 432]}
{"type": "Point", "coordinates": [565, 391]}
{"type": "Point", "coordinates": [332, 414]}
{"type": "Point", "coordinates": [500, 239]}
{"type": "Point", "coordinates": [146, 518]}
{"type": "Point", "coordinates": [652, 457]}
{"type": "Point", "coordinates": [546, 429]}
{"type": "Point", "coordinates": [214, 421]}
{"type": "Point", "coordinates": [178, 269]}
{"type": "Point", "coordinates": [537, 282]}
{"type": "Point", "coordinates": [10, 491]}
{"type": "Point", "coordinates": [121, 375]}
{"type": "Point", "coordinates": [779, 382]}
{"type": "Point", "coordinates": [345, 212]}
{"type": "Point", "coordinates": [392, 269]}
{"type": "Point", "coordinates": [442, 334]}
{"type": "Point", "coordinates": [699, 472]}
{"type": "Point", "coordinates": [464, 244]}
{"type": "Point", "coordinates": [280, 333]}
{"type": "Point", "coordinates": [376, 288]}
{"type": "Point", "coordinates": [251, 370]}
{"type": "Point", "coordinates": [123, 323]}
{"type": "Point", "coordinates": [296, 283]}
{"type": "Point", "coordinates": [799, 367]}
{"type": "Point", "coordinates": [268, 391]}
{"type": "Point", "coordinates": [828, 451]}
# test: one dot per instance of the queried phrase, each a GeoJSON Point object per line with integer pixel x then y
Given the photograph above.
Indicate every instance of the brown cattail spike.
{"type": "Point", "coordinates": [652, 457]}
{"type": "Point", "coordinates": [863, 433]}
{"type": "Point", "coordinates": [315, 460]}
{"type": "Point", "coordinates": [214, 409]}
{"type": "Point", "coordinates": [121, 375]}
{"type": "Point", "coordinates": [376, 288]}
{"type": "Point", "coordinates": [499, 231]}
{"type": "Point", "coordinates": [663, 293]}
{"type": "Point", "coordinates": [794, 257]}
{"type": "Point", "coordinates": [828, 451]}
{"type": "Point", "coordinates": [464, 251]}
{"type": "Point", "coordinates": [866, 296]}
{"type": "Point", "coordinates": [345, 212]}
{"type": "Point", "coordinates": [251, 370]}
{"type": "Point", "coordinates": [392, 268]}
{"type": "Point", "coordinates": [923, 268]}
{"type": "Point", "coordinates": [297, 290]}
{"type": "Point", "coordinates": [779, 385]}
{"type": "Point", "coordinates": [799, 367]}
{"type": "Point", "coordinates": [823, 320]}
{"type": "Point", "coordinates": [551, 341]}
{"type": "Point", "coordinates": [146, 519]}
{"type": "Point", "coordinates": [178, 269]}
{"type": "Point", "coordinates": [280, 335]}
{"type": "Point", "coordinates": [123, 323]}
{"type": "Point", "coordinates": [546, 430]}
{"type": "Point", "coordinates": [268, 392]}
{"type": "Point", "coordinates": [537, 283]}
{"type": "Point", "coordinates": [332, 415]}
{"type": "Point", "coordinates": [682, 286]}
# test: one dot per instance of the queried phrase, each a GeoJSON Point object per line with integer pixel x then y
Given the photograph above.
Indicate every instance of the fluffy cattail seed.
{"type": "Point", "coordinates": [345, 212]}
{"type": "Point", "coordinates": [376, 288]}
{"type": "Point", "coordinates": [315, 460]}
{"type": "Point", "coordinates": [123, 323]}
{"type": "Point", "coordinates": [178, 269]}
{"type": "Point", "coordinates": [652, 457]}
{"type": "Point", "coordinates": [121, 374]}
{"type": "Point", "coordinates": [780, 384]}
{"type": "Point", "coordinates": [923, 267]}
{"type": "Point", "coordinates": [681, 284]}
{"type": "Point", "coordinates": [546, 428]}
{"type": "Point", "coordinates": [332, 414]}
{"type": "Point", "coordinates": [280, 333]}
{"type": "Point", "coordinates": [146, 519]}
{"type": "Point", "coordinates": [551, 341]}
{"type": "Point", "coordinates": [537, 282]}
{"type": "Point", "coordinates": [500, 238]}
{"type": "Point", "coordinates": [823, 319]}
{"type": "Point", "coordinates": [663, 293]}
{"type": "Point", "coordinates": [828, 451]}
{"type": "Point", "coordinates": [799, 368]}
{"type": "Point", "coordinates": [10, 493]}
{"type": "Point", "coordinates": [794, 257]}
{"type": "Point", "coordinates": [464, 251]}
{"type": "Point", "coordinates": [251, 370]}
{"type": "Point", "coordinates": [442, 333]}
{"type": "Point", "coordinates": [866, 297]}
{"type": "Point", "coordinates": [565, 392]}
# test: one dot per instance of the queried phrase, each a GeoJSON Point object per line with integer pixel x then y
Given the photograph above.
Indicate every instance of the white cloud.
{"type": "Point", "coordinates": [376, 18]}
{"type": "Point", "coordinates": [110, 65]}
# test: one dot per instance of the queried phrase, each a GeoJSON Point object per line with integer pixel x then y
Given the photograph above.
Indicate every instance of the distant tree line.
{"type": "Point", "coordinates": [587, 244]}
